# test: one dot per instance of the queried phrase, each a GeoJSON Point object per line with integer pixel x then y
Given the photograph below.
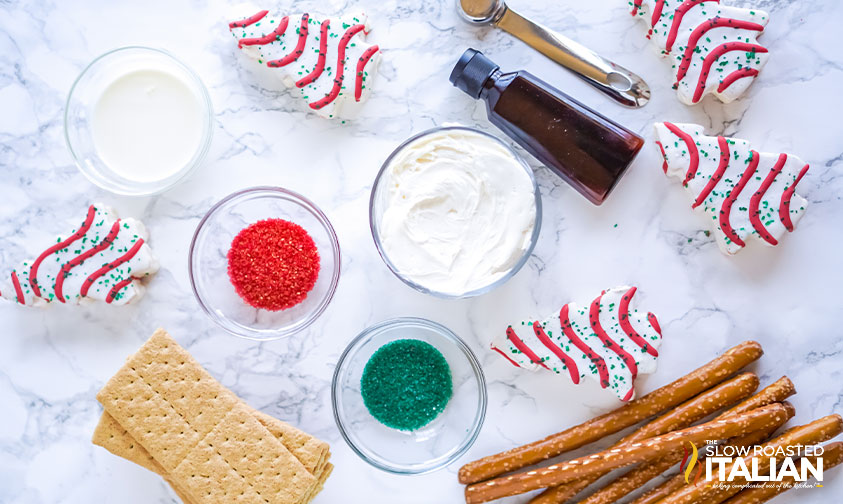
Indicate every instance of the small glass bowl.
{"type": "Point", "coordinates": [82, 99]}
{"type": "Point", "coordinates": [376, 203]}
{"type": "Point", "coordinates": [208, 262]}
{"type": "Point", "coordinates": [438, 443]}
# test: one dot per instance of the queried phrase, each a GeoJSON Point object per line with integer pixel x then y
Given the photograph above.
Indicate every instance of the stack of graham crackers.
{"type": "Point", "coordinates": [164, 412]}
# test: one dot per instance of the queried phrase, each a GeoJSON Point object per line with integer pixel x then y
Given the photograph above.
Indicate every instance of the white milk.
{"type": "Point", "coordinates": [147, 125]}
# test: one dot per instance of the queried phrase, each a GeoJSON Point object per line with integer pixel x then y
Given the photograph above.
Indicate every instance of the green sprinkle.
{"type": "Point", "coordinates": [406, 384]}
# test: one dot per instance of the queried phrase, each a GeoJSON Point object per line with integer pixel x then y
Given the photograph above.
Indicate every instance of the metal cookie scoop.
{"type": "Point", "coordinates": [617, 82]}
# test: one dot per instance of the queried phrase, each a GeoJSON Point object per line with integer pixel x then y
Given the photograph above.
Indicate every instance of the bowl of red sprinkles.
{"type": "Point", "coordinates": [264, 263]}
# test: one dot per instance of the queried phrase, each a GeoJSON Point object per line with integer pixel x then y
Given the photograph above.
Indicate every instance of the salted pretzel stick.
{"type": "Point", "coordinates": [637, 477]}
{"type": "Point", "coordinates": [832, 456]}
{"type": "Point", "coordinates": [719, 397]}
{"type": "Point", "coordinates": [815, 432]}
{"type": "Point", "coordinates": [655, 402]}
{"type": "Point", "coordinates": [777, 391]}
{"type": "Point", "coordinates": [640, 451]}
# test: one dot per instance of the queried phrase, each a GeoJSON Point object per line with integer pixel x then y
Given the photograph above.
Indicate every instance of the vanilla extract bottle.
{"type": "Point", "coordinates": [588, 150]}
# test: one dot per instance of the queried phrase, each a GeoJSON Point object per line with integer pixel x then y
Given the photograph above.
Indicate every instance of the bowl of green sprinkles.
{"type": "Point", "coordinates": [409, 396]}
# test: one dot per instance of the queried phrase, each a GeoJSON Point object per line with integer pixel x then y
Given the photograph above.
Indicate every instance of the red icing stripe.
{"type": "Point", "coordinates": [320, 61]}
{"type": "Point", "coordinates": [33, 272]}
{"type": "Point", "coordinates": [498, 350]}
{"type": "Point", "coordinates": [593, 356]}
{"type": "Point", "coordinates": [361, 63]}
{"type": "Point", "coordinates": [626, 326]}
{"type": "Point", "coordinates": [520, 345]}
{"type": "Point", "coordinates": [18, 290]}
{"type": "Point", "coordinates": [718, 173]}
{"type": "Point", "coordinates": [608, 342]}
{"type": "Point", "coordinates": [755, 201]}
{"type": "Point", "coordinates": [293, 56]}
{"type": "Point", "coordinates": [657, 13]}
{"type": "Point", "coordinates": [636, 4]}
{"type": "Point", "coordinates": [736, 75]}
{"type": "Point", "coordinates": [628, 395]}
{"type": "Point", "coordinates": [678, 14]}
{"type": "Point", "coordinates": [76, 261]}
{"type": "Point", "coordinates": [693, 40]}
{"type": "Point", "coordinates": [248, 21]}
{"type": "Point", "coordinates": [117, 288]}
{"type": "Point", "coordinates": [784, 206]}
{"type": "Point", "coordinates": [693, 152]}
{"type": "Point", "coordinates": [655, 323]}
{"type": "Point", "coordinates": [558, 352]}
{"type": "Point", "coordinates": [110, 266]}
{"type": "Point", "coordinates": [335, 90]}
{"type": "Point", "coordinates": [269, 37]}
{"type": "Point", "coordinates": [664, 156]}
{"type": "Point", "coordinates": [714, 55]}
{"type": "Point", "coordinates": [726, 209]}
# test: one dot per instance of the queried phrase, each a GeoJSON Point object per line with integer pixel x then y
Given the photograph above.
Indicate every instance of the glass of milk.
{"type": "Point", "coordinates": [138, 121]}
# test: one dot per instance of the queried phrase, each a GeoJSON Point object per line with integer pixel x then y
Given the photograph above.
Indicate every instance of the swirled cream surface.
{"type": "Point", "coordinates": [458, 211]}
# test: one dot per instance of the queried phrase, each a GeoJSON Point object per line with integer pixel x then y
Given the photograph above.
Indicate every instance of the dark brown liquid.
{"type": "Point", "coordinates": [587, 150]}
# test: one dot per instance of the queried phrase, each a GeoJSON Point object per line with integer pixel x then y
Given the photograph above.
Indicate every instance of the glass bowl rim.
{"type": "Point", "coordinates": [534, 238]}
{"type": "Point", "coordinates": [188, 168]}
{"type": "Point", "coordinates": [308, 205]}
{"type": "Point", "coordinates": [449, 335]}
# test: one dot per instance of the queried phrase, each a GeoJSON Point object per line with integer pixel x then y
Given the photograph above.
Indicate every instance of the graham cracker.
{"type": "Point", "coordinates": [113, 437]}
{"type": "Point", "coordinates": [208, 442]}
{"type": "Point", "coordinates": [311, 452]}
{"type": "Point", "coordinates": [329, 468]}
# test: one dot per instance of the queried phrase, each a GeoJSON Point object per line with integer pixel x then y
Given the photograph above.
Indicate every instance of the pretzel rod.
{"type": "Point", "coordinates": [832, 456]}
{"type": "Point", "coordinates": [721, 396]}
{"type": "Point", "coordinates": [777, 391]}
{"type": "Point", "coordinates": [641, 451]}
{"type": "Point", "coordinates": [655, 402]}
{"type": "Point", "coordinates": [639, 476]}
{"type": "Point", "coordinates": [815, 432]}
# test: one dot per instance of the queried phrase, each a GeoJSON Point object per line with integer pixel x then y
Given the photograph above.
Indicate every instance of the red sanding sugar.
{"type": "Point", "coordinates": [273, 264]}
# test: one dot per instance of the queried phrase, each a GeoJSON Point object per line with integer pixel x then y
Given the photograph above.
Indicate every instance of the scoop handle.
{"type": "Point", "coordinates": [613, 80]}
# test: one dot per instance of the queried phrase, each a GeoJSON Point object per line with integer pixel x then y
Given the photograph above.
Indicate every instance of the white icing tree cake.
{"type": "Point", "coordinates": [327, 61]}
{"type": "Point", "coordinates": [743, 194]}
{"type": "Point", "coordinates": [103, 259]}
{"type": "Point", "coordinates": [713, 47]}
{"type": "Point", "coordinates": [607, 340]}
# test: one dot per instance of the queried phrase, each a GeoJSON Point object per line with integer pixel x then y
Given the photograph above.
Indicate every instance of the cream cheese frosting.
{"type": "Point", "coordinates": [458, 211]}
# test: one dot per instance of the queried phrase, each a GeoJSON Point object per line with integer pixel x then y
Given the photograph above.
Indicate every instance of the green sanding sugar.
{"type": "Point", "coordinates": [406, 384]}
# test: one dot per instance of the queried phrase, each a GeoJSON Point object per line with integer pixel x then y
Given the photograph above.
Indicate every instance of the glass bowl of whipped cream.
{"type": "Point", "coordinates": [455, 212]}
{"type": "Point", "coordinates": [137, 121]}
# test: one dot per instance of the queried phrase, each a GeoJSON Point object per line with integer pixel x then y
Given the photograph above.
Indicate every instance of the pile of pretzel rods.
{"type": "Point", "coordinates": [741, 417]}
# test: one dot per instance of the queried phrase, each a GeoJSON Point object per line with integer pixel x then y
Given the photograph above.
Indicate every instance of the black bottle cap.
{"type": "Point", "coordinates": [472, 71]}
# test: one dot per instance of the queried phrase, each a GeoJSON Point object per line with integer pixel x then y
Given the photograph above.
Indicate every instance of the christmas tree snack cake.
{"type": "Point", "coordinates": [105, 259]}
{"type": "Point", "coordinates": [607, 340]}
{"type": "Point", "coordinates": [743, 194]}
{"type": "Point", "coordinates": [712, 47]}
{"type": "Point", "coordinates": [327, 61]}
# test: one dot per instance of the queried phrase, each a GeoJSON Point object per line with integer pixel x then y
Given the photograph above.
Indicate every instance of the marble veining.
{"type": "Point", "coordinates": [53, 361]}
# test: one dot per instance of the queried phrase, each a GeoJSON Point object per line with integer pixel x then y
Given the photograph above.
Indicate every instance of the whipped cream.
{"type": "Point", "coordinates": [458, 211]}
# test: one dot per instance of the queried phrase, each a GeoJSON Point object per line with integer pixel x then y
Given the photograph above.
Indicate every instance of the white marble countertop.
{"type": "Point", "coordinates": [52, 362]}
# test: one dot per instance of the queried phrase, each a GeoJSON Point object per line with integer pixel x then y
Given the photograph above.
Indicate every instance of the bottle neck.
{"type": "Point", "coordinates": [490, 84]}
